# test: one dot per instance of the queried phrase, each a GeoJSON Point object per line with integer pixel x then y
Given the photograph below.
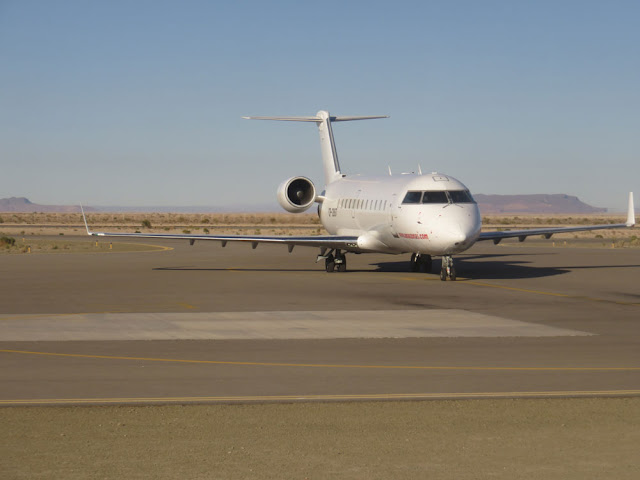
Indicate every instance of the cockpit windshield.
{"type": "Point", "coordinates": [412, 197]}
{"type": "Point", "coordinates": [461, 196]}
{"type": "Point", "coordinates": [442, 197]}
{"type": "Point", "coordinates": [435, 197]}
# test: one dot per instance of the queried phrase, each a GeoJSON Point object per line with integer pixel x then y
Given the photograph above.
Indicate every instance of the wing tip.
{"type": "Point", "coordinates": [84, 217]}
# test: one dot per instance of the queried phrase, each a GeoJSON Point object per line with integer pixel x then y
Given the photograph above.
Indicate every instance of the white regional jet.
{"type": "Point", "coordinates": [425, 215]}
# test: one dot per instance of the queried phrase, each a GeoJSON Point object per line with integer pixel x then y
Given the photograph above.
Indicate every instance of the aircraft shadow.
{"type": "Point", "coordinates": [231, 269]}
{"type": "Point", "coordinates": [472, 267]}
{"type": "Point", "coordinates": [498, 269]}
{"type": "Point", "coordinates": [495, 269]}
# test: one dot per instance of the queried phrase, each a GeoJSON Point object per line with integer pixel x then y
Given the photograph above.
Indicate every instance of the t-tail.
{"type": "Point", "coordinates": [327, 144]}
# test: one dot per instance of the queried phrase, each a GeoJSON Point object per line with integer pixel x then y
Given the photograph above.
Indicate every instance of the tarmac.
{"type": "Point", "coordinates": [205, 324]}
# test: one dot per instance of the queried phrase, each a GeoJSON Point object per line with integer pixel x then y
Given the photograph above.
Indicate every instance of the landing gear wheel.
{"type": "Point", "coordinates": [447, 269]}
{"type": "Point", "coordinates": [329, 264]}
{"type": "Point", "coordinates": [340, 261]}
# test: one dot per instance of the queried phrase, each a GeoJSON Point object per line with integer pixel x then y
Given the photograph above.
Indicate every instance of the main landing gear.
{"type": "Point", "coordinates": [335, 262]}
{"type": "Point", "coordinates": [447, 269]}
{"type": "Point", "coordinates": [420, 262]}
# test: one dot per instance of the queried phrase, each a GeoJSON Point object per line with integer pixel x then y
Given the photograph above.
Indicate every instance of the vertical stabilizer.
{"type": "Point", "coordinates": [330, 162]}
{"type": "Point", "coordinates": [323, 120]}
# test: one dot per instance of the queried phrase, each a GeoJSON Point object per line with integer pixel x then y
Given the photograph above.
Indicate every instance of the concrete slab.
{"type": "Point", "coordinates": [269, 325]}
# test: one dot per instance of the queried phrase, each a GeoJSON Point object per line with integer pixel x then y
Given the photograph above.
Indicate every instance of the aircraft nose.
{"type": "Point", "coordinates": [459, 237]}
{"type": "Point", "coordinates": [462, 236]}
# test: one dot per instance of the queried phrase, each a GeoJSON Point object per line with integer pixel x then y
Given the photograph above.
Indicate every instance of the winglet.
{"type": "Point", "coordinates": [85, 220]}
{"type": "Point", "coordinates": [631, 213]}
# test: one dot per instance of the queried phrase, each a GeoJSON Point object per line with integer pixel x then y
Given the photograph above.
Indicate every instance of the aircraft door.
{"type": "Point", "coordinates": [394, 210]}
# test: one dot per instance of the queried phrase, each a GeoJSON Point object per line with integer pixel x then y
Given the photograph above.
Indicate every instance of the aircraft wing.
{"type": "Point", "coordinates": [547, 232]}
{"type": "Point", "coordinates": [348, 243]}
{"type": "Point", "coordinates": [323, 241]}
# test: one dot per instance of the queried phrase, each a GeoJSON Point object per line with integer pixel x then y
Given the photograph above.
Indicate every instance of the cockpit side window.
{"type": "Point", "coordinates": [412, 197]}
{"type": "Point", "coordinates": [435, 197]}
{"type": "Point", "coordinates": [461, 196]}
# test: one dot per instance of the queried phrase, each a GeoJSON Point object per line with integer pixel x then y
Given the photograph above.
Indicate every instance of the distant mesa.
{"type": "Point", "coordinates": [538, 203]}
{"type": "Point", "coordinates": [24, 205]}
{"type": "Point", "coordinates": [489, 204]}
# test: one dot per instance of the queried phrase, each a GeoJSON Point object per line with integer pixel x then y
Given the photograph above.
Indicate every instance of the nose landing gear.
{"type": "Point", "coordinates": [447, 269]}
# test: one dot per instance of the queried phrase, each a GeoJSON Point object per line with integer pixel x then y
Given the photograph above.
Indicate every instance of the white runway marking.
{"type": "Point", "coordinates": [269, 326]}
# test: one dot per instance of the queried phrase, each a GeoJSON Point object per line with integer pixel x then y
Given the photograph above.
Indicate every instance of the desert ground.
{"type": "Point", "coordinates": [120, 409]}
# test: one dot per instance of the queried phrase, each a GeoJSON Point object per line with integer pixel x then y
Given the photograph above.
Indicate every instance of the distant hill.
{"type": "Point", "coordinates": [539, 203]}
{"type": "Point", "coordinates": [488, 204]}
{"type": "Point", "coordinates": [24, 205]}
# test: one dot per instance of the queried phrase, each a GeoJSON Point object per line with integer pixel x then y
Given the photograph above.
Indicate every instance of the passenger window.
{"type": "Point", "coordinates": [461, 196]}
{"type": "Point", "coordinates": [412, 197]}
{"type": "Point", "coordinates": [435, 197]}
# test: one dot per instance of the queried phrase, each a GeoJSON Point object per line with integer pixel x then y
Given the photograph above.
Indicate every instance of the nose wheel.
{"type": "Point", "coordinates": [421, 262]}
{"type": "Point", "coordinates": [447, 270]}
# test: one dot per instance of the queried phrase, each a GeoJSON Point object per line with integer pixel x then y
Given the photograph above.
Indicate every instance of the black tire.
{"type": "Point", "coordinates": [329, 264]}
{"type": "Point", "coordinates": [452, 275]}
{"type": "Point", "coordinates": [443, 274]}
{"type": "Point", "coordinates": [342, 267]}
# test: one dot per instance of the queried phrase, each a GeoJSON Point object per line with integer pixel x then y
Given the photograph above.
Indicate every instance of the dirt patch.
{"type": "Point", "coordinates": [35, 245]}
{"type": "Point", "coordinates": [514, 439]}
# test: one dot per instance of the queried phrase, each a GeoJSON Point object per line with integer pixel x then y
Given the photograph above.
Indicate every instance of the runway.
{"type": "Point", "coordinates": [205, 324]}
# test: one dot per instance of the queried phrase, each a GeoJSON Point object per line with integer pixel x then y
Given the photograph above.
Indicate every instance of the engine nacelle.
{"type": "Point", "coordinates": [296, 194]}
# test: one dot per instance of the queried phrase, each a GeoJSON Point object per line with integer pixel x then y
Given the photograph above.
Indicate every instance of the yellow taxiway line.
{"type": "Point", "coordinates": [329, 397]}
{"type": "Point", "coordinates": [319, 365]}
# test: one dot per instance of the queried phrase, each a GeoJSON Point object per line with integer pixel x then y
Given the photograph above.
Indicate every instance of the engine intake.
{"type": "Point", "coordinates": [296, 194]}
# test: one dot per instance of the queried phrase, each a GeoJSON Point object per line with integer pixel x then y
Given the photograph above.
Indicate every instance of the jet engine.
{"type": "Point", "coordinates": [296, 194]}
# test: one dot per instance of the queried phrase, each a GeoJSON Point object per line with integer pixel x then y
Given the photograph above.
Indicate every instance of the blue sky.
{"type": "Point", "coordinates": [139, 102]}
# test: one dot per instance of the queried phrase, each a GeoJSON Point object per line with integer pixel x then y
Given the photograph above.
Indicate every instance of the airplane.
{"type": "Point", "coordinates": [425, 215]}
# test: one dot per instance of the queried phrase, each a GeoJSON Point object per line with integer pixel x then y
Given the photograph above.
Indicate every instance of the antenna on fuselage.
{"type": "Point", "coordinates": [419, 170]}
{"type": "Point", "coordinates": [389, 167]}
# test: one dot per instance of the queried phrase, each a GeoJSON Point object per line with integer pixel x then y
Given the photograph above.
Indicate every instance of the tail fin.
{"type": "Point", "coordinates": [328, 146]}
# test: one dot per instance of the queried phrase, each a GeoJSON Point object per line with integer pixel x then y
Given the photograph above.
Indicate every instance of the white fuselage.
{"type": "Point", "coordinates": [376, 210]}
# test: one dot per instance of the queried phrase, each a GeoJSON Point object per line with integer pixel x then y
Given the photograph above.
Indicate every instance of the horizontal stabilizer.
{"type": "Point", "coordinates": [287, 119]}
{"type": "Point", "coordinates": [317, 119]}
{"type": "Point", "coordinates": [348, 119]}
